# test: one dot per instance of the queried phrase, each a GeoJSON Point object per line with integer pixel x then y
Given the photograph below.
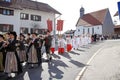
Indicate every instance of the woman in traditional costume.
{"type": "Point", "coordinates": [12, 62]}
{"type": "Point", "coordinates": [21, 48]}
{"type": "Point", "coordinates": [2, 52]}
{"type": "Point", "coordinates": [33, 50]}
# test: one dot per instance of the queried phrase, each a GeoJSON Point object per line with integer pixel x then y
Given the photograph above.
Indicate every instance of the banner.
{"type": "Point", "coordinates": [49, 25]}
{"type": "Point", "coordinates": [119, 9]}
{"type": "Point", "coordinates": [59, 25]}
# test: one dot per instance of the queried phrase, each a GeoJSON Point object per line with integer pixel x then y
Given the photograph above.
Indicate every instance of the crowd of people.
{"type": "Point", "coordinates": [16, 50]}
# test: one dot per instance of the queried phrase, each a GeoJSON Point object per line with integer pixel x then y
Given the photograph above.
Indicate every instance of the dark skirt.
{"type": "Point", "coordinates": [1, 62]}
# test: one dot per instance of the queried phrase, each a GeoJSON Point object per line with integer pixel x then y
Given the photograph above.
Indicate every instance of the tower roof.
{"type": "Point", "coordinates": [82, 9]}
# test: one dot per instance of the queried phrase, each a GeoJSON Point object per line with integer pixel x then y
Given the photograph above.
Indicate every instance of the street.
{"type": "Point", "coordinates": [67, 66]}
{"type": "Point", "coordinates": [105, 65]}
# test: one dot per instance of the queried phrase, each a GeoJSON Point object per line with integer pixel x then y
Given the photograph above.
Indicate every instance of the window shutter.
{"type": "Point", "coordinates": [39, 18]}
{"type": "Point", "coordinates": [12, 12]}
{"type": "Point", "coordinates": [26, 30]}
{"type": "Point", "coordinates": [27, 16]}
{"type": "Point", "coordinates": [31, 17]}
{"type": "Point", "coordinates": [1, 11]}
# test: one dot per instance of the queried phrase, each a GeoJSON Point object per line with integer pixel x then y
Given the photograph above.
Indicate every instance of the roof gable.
{"type": "Point", "coordinates": [116, 14]}
{"type": "Point", "coordinates": [93, 18]}
{"type": "Point", "coordinates": [117, 26]}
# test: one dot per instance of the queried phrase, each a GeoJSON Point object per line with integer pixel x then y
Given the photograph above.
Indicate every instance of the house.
{"type": "Point", "coordinates": [25, 16]}
{"type": "Point", "coordinates": [116, 23]}
{"type": "Point", "coordinates": [69, 33]}
{"type": "Point", "coordinates": [97, 22]}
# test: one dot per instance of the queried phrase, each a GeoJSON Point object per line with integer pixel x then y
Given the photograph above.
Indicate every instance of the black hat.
{"type": "Point", "coordinates": [22, 35]}
{"type": "Point", "coordinates": [1, 36]}
{"type": "Point", "coordinates": [13, 33]}
{"type": "Point", "coordinates": [28, 34]}
{"type": "Point", "coordinates": [35, 34]}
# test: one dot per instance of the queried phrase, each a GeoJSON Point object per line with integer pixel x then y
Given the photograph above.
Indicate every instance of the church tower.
{"type": "Point", "coordinates": [82, 11]}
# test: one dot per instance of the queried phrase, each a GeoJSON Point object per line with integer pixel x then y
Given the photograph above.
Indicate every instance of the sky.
{"type": "Point", "coordinates": [70, 9]}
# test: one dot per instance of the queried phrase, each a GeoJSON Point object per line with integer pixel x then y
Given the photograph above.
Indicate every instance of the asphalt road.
{"type": "Point", "coordinates": [63, 66]}
{"type": "Point", "coordinates": [106, 64]}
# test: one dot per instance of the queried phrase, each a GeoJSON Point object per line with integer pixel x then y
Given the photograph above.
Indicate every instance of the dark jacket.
{"type": "Point", "coordinates": [48, 41]}
{"type": "Point", "coordinates": [22, 45]}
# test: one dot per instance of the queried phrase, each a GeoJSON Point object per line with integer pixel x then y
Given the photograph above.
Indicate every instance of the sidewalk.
{"type": "Point", "coordinates": [106, 64]}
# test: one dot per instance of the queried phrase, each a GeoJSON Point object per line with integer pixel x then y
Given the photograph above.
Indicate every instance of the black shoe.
{"type": "Point", "coordinates": [9, 78]}
{"type": "Point", "coordinates": [31, 67]}
{"type": "Point", "coordinates": [50, 58]}
{"type": "Point", "coordinates": [47, 60]}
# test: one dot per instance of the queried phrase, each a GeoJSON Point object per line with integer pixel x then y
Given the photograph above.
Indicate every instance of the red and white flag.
{"type": "Point", "coordinates": [49, 25]}
{"type": "Point", "coordinates": [59, 25]}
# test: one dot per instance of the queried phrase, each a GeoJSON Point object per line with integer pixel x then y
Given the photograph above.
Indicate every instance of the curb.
{"type": "Point", "coordinates": [79, 76]}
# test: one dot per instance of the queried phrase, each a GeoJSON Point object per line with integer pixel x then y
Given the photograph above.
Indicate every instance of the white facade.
{"type": "Point", "coordinates": [91, 30]}
{"type": "Point", "coordinates": [17, 22]}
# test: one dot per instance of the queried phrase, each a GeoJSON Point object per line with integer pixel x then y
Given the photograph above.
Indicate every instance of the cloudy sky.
{"type": "Point", "coordinates": [70, 9]}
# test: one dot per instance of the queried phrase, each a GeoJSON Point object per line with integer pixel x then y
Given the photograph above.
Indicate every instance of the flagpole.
{"type": "Point", "coordinates": [54, 33]}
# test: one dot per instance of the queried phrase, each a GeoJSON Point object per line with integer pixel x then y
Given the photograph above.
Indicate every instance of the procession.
{"type": "Point", "coordinates": [17, 51]}
{"type": "Point", "coordinates": [53, 40]}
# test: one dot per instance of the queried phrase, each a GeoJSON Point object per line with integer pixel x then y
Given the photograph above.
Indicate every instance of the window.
{"type": "Point", "coordinates": [24, 16]}
{"type": "Point", "coordinates": [83, 31]}
{"type": "Point", "coordinates": [6, 27]}
{"type": "Point", "coordinates": [39, 31]}
{"type": "Point", "coordinates": [7, 0]}
{"type": "Point", "coordinates": [92, 30]}
{"type": "Point", "coordinates": [88, 30]}
{"type": "Point", "coordinates": [23, 30]}
{"type": "Point", "coordinates": [35, 18]}
{"type": "Point", "coordinates": [6, 11]}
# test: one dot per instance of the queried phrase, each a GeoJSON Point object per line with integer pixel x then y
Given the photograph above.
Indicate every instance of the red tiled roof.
{"type": "Point", "coordinates": [29, 4]}
{"type": "Point", "coordinates": [117, 26]}
{"type": "Point", "coordinates": [93, 18]}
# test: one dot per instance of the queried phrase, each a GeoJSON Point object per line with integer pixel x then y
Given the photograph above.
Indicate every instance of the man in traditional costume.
{"type": "Point", "coordinates": [47, 43]}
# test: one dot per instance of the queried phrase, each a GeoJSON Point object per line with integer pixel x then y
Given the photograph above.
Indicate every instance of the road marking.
{"type": "Point", "coordinates": [79, 76]}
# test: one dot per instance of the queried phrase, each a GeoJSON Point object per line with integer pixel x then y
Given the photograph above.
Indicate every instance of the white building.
{"type": "Point", "coordinates": [25, 16]}
{"type": "Point", "coordinates": [98, 22]}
